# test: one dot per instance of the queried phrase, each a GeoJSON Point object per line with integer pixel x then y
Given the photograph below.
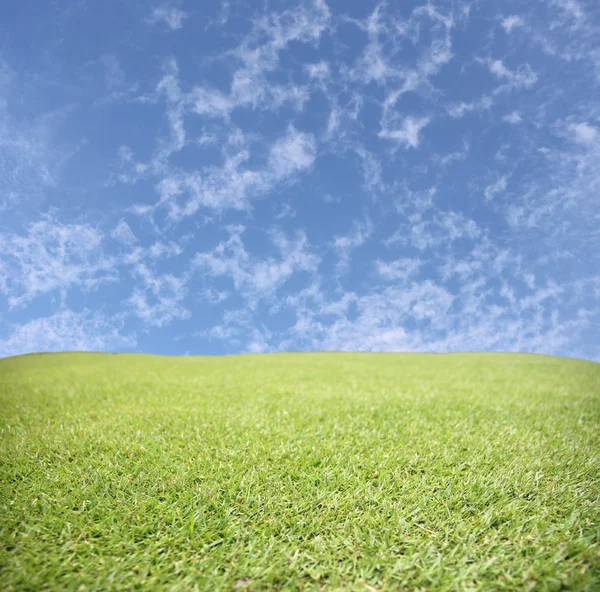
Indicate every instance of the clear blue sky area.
{"type": "Point", "coordinates": [224, 177]}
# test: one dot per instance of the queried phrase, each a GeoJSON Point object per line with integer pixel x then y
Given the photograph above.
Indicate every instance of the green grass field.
{"type": "Point", "coordinates": [300, 472]}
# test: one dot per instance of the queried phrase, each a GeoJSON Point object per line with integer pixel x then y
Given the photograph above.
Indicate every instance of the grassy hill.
{"type": "Point", "coordinates": [299, 472]}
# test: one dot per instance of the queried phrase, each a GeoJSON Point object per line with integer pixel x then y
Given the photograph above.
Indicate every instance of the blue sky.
{"type": "Point", "coordinates": [225, 177]}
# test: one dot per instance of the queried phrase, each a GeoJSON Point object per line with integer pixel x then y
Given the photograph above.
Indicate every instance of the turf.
{"type": "Point", "coordinates": [299, 472]}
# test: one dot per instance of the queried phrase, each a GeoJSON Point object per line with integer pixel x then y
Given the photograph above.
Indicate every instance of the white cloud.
{"type": "Point", "coordinates": [259, 342]}
{"type": "Point", "coordinates": [497, 187]}
{"type": "Point", "coordinates": [540, 295]}
{"type": "Point", "coordinates": [583, 133]}
{"type": "Point", "coordinates": [386, 33]}
{"type": "Point", "coordinates": [171, 16]}
{"type": "Point", "coordinates": [169, 88]}
{"type": "Point", "coordinates": [293, 153]}
{"type": "Point", "coordinates": [452, 157]}
{"type": "Point", "coordinates": [213, 103]}
{"type": "Point", "coordinates": [319, 71]}
{"type": "Point", "coordinates": [465, 269]}
{"type": "Point", "coordinates": [159, 250]}
{"type": "Point", "coordinates": [513, 118]}
{"type": "Point", "coordinates": [571, 8]}
{"type": "Point", "coordinates": [400, 269]}
{"type": "Point", "coordinates": [158, 298]}
{"type": "Point", "coordinates": [150, 254]}
{"type": "Point", "coordinates": [113, 72]}
{"type": "Point", "coordinates": [66, 331]}
{"type": "Point", "coordinates": [123, 233]}
{"type": "Point", "coordinates": [51, 256]}
{"type": "Point", "coordinates": [409, 133]}
{"type": "Point", "coordinates": [424, 316]}
{"type": "Point", "coordinates": [229, 186]}
{"type": "Point", "coordinates": [456, 225]}
{"type": "Point", "coordinates": [512, 22]}
{"type": "Point", "coordinates": [283, 94]}
{"type": "Point", "coordinates": [213, 296]}
{"type": "Point", "coordinates": [529, 279]}
{"type": "Point", "coordinates": [257, 278]}
{"type": "Point", "coordinates": [31, 158]}
{"type": "Point", "coordinates": [380, 319]}
{"type": "Point", "coordinates": [119, 87]}
{"type": "Point", "coordinates": [246, 92]}
{"type": "Point", "coordinates": [498, 68]}
{"type": "Point", "coordinates": [387, 36]}
{"type": "Point", "coordinates": [286, 211]}
{"type": "Point", "coordinates": [331, 199]}
{"type": "Point", "coordinates": [421, 230]}
{"type": "Point", "coordinates": [373, 66]}
{"type": "Point", "coordinates": [458, 110]}
{"type": "Point", "coordinates": [258, 55]}
{"type": "Point", "coordinates": [523, 77]}
{"type": "Point", "coordinates": [343, 120]}
{"type": "Point", "coordinates": [372, 171]}
{"type": "Point", "coordinates": [344, 245]}
{"type": "Point", "coordinates": [557, 214]}
{"type": "Point", "coordinates": [410, 202]}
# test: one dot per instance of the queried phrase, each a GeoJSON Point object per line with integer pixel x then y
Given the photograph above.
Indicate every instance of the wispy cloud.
{"type": "Point", "coordinates": [66, 331]}
{"type": "Point", "coordinates": [409, 133]}
{"type": "Point", "coordinates": [458, 110]}
{"type": "Point", "coordinates": [310, 176]}
{"type": "Point", "coordinates": [53, 257]}
{"type": "Point", "coordinates": [522, 77]}
{"type": "Point", "coordinates": [511, 22]}
{"type": "Point", "coordinates": [168, 15]}
{"type": "Point", "coordinates": [123, 233]}
{"type": "Point", "coordinates": [291, 154]}
{"type": "Point", "coordinates": [344, 245]}
{"type": "Point", "coordinates": [233, 185]}
{"type": "Point", "coordinates": [30, 155]}
{"type": "Point", "coordinates": [157, 299]}
{"type": "Point", "coordinates": [583, 133]}
{"type": "Point", "coordinates": [495, 188]}
{"type": "Point", "coordinates": [258, 55]}
{"type": "Point", "coordinates": [400, 269]}
{"type": "Point", "coordinates": [257, 278]}
{"type": "Point", "coordinates": [513, 118]}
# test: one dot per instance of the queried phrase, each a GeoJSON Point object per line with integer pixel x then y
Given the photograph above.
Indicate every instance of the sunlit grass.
{"type": "Point", "coordinates": [300, 471]}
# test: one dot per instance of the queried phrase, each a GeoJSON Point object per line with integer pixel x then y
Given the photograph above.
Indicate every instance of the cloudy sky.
{"type": "Point", "coordinates": [223, 177]}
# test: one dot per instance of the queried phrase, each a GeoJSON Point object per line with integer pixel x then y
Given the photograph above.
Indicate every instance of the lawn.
{"type": "Point", "coordinates": [323, 471]}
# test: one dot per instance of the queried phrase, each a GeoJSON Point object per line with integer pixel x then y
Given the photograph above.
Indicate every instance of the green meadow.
{"type": "Point", "coordinates": [325, 471]}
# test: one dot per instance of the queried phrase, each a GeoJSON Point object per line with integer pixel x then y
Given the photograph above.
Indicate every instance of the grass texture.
{"type": "Point", "coordinates": [299, 472]}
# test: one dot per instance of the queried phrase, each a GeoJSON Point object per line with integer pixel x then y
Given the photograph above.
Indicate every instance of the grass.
{"type": "Point", "coordinates": [299, 472]}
